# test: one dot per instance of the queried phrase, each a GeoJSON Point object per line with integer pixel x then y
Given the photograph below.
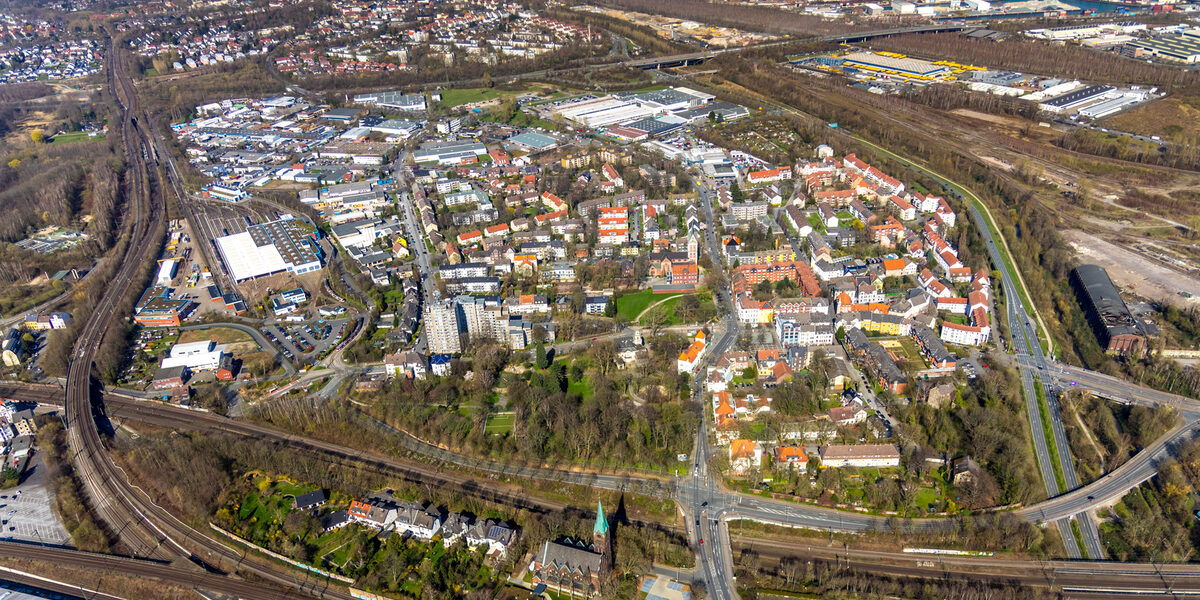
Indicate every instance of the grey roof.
{"type": "Point", "coordinates": [169, 373]}
{"type": "Point", "coordinates": [570, 556]}
{"type": "Point", "coordinates": [309, 500]}
{"type": "Point", "coordinates": [335, 519]}
{"type": "Point", "coordinates": [1103, 299]}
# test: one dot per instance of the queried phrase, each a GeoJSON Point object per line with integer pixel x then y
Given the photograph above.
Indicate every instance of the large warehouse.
{"type": "Point", "coordinates": [897, 64]}
{"type": "Point", "coordinates": [1110, 318]}
{"type": "Point", "coordinates": [1184, 47]}
{"type": "Point", "coordinates": [599, 112]}
{"type": "Point", "coordinates": [288, 244]}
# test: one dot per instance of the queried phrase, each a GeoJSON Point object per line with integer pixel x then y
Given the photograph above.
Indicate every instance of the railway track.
{"type": "Point", "coordinates": [142, 526]}
{"type": "Point", "coordinates": [1076, 580]}
{"type": "Point", "coordinates": [146, 569]}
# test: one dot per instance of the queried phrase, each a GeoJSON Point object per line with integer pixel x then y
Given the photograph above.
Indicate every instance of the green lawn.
{"type": "Point", "coordinates": [956, 319]}
{"type": "Point", "coordinates": [499, 423]}
{"type": "Point", "coordinates": [581, 388]}
{"type": "Point", "coordinates": [75, 136]}
{"type": "Point", "coordinates": [815, 221]}
{"type": "Point", "coordinates": [452, 98]}
{"type": "Point", "coordinates": [926, 497]}
{"type": "Point", "coordinates": [629, 306]}
{"type": "Point", "coordinates": [669, 306]}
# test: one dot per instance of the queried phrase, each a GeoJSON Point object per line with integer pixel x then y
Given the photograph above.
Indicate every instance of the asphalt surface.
{"type": "Point", "coordinates": [1031, 360]}
{"type": "Point", "coordinates": [416, 238]}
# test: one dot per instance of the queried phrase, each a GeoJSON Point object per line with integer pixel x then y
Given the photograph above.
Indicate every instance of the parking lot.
{"type": "Point", "coordinates": [305, 340]}
{"type": "Point", "coordinates": [26, 513]}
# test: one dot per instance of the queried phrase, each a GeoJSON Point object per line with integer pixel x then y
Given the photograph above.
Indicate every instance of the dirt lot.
{"type": "Point", "coordinates": [1133, 272]}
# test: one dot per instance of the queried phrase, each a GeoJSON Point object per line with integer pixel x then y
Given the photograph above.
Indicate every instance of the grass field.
{"type": "Point", "coordinates": [499, 423]}
{"type": "Point", "coordinates": [1175, 118]}
{"type": "Point", "coordinates": [522, 119]}
{"type": "Point", "coordinates": [629, 306]}
{"type": "Point", "coordinates": [926, 496]}
{"type": "Point", "coordinates": [581, 388]}
{"type": "Point", "coordinates": [220, 335]}
{"type": "Point", "coordinates": [75, 136]}
{"type": "Point", "coordinates": [452, 98]}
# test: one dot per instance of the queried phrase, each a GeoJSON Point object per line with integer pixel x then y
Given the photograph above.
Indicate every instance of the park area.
{"type": "Point", "coordinates": [649, 309]}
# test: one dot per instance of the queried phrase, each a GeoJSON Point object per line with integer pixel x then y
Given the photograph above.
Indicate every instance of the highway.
{"type": "Point", "coordinates": [1030, 359]}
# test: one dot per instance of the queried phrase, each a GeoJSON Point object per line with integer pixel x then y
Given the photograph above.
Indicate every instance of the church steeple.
{"type": "Point", "coordinates": [600, 541]}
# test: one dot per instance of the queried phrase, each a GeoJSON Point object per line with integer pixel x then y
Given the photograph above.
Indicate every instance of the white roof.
{"type": "Point", "coordinates": [246, 260]}
{"type": "Point", "coordinates": [191, 348]}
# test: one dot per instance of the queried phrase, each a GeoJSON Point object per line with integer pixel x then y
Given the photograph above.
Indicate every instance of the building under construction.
{"type": "Point", "coordinates": [1116, 328]}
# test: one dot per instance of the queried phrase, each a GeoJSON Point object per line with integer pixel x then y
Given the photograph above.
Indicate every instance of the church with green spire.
{"type": "Point", "coordinates": [600, 542]}
{"type": "Point", "coordinates": [573, 566]}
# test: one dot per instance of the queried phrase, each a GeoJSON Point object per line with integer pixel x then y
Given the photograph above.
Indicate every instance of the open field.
{"type": "Point", "coordinates": [629, 306]}
{"type": "Point", "coordinates": [1138, 274]}
{"type": "Point", "coordinates": [220, 335]}
{"type": "Point", "coordinates": [499, 423]}
{"type": "Point", "coordinates": [1175, 118]}
{"type": "Point", "coordinates": [452, 98]}
{"type": "Point", "coordinates": [75, 136]}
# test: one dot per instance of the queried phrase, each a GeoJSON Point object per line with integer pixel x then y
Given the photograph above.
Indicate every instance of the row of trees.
{"type": "Point", "coordinates": [1155, 522]}
{"type": "Point", "coordinates": [833, 581]}
{"type": "Point", "coordinates": [1111, 432]}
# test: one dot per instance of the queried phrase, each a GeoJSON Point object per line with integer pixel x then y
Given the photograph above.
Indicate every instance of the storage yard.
{"type": "Point", "coordinates": [889, 71]}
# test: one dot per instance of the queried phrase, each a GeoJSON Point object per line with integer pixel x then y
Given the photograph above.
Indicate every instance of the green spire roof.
{"type": "Point", "coordinates": [601, 522]}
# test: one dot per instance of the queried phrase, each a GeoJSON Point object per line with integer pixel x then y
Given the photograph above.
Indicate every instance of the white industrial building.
{"type": "Point", "coordinates": [196, 356]}
{"type": "Point", "coordinates": [166, 271]}
{"type": "Point", "coordinates": [286, 245]}
{"type": "Point", "coordinates": [602, 111]}
{"type": "Point", "coordinates": [396, 100]}
{"type": "Point", "coordinates": [448, 152]}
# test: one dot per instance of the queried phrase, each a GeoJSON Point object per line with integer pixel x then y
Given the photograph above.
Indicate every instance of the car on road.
{"type": "Point", "coordinates": [701, 541]}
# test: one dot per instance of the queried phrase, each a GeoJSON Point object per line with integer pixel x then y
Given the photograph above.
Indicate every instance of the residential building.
{"type": "Point", "coordinates": [835, 456]}
{"type": "Point", "coordinates": [791, 457]}
{"type": "Point", "coordinates": [441, 327]}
